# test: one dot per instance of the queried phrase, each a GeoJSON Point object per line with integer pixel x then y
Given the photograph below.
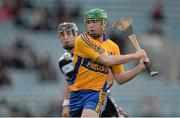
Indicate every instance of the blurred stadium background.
{"type": "Point", "coordinates": [30, 81]}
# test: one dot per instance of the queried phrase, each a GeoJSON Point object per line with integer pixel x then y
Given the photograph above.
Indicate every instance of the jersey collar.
{"type": "Point", "coordinates": [105, 37]}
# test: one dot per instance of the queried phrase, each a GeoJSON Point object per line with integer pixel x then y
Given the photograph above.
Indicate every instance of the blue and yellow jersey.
{"type": "Point", "coordinates": [88, 74]}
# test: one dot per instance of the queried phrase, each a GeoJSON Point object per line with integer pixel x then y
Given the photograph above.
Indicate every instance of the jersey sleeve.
{"type": "Point", "coordinates": [60, 67]}
{"type": "Point", "coordinates": [61, 70]}
{"type": "Point", "coordinates": [86, 48]}
{"type": "Point", "coordinates": [118, 68]}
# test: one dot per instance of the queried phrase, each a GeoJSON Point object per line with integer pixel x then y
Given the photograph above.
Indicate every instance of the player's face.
{"type": "Point", "coordinates": [94, 26]}
{"type": "Point", "coordinates": [67, 39]}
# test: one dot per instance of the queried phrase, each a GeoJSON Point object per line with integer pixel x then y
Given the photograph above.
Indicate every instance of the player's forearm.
{"type": "Point", "coordinates": [115, 59]}
{"type": "Point", "coordinates": [110, 79]}
{"type": "Point", "coordinates": [66, 97]}
{"type": "Point", "coordinates": [121, 59]}
{"type": "Point", "coordinates": [66, 93]}
{"type": "Point", "coordinates": [128, 75]}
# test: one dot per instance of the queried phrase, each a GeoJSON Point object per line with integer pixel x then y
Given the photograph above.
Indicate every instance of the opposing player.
{"type": "Point", "coordinates": [94, 56]}
{"type": "Point", "coordinates": [67, 33]}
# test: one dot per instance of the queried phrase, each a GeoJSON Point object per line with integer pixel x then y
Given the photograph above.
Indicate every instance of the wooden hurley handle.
{"type": "Point", "coordinates": [148, 66]}
{"type": "Point", "coordinates": [137, 47]}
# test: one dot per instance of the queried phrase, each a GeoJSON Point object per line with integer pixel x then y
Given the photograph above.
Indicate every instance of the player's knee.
{"type": "Point", "coordinates": [89, 113]}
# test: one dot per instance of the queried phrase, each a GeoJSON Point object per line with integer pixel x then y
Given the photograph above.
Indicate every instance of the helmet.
{"type": "Point", "coordinates": [67, 26]}
{"type": "Point", "coordinates": [64, 28]}
{"type": "Point", "coordinates": [97, 14]}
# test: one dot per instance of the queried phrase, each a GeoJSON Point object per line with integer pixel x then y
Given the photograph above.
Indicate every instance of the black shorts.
{"type": "Point", "coordinates": [110, 110]}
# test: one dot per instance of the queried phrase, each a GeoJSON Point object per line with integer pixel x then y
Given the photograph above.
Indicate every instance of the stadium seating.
{"type": "Point", "coordinates": [27, 91]}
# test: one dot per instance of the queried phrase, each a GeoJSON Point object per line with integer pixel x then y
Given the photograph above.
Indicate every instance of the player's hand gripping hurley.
{"type": "Point", "coordinates": [125, 26]}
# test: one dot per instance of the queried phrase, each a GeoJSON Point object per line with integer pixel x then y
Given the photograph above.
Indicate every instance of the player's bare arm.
{"type": "Point", "coordinates": [65, 111]}
{"type": "Point", "coordinates": [119, 59]}
{"type": "Point", "coordinates": [124, 77]}
{"type": "Point", "coordinates": [110, 79]}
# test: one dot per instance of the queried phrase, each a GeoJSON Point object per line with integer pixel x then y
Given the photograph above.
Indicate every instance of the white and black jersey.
{"type": "Point", "coordinates": [66, 65]}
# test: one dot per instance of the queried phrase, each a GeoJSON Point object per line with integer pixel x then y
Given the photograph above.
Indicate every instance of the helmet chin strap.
{"type": "Point", "coordinates": [95, 36]}
{"type": "Point", "coordinates": [68, 47]}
